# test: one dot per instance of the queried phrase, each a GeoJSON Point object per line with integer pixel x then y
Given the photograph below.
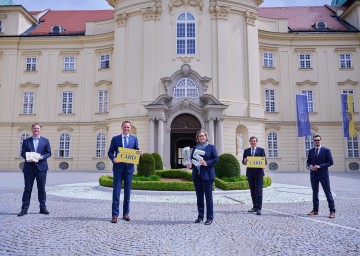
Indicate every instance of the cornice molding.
{"type": "Point", "coordinates": [31, 53]}
{"type": "Point", "coordinates": [105, 50]}
{"type": "Point", "coordinates": [270, 80]}
{"type": "Point", "coordinates": [272, 128]}
{"type": "Point", "coordinates": [65, 128]}
{"type": "Point", "coordinates": [67, 84]}
{"type": "Point", "coordinates": [314, 128]}
{"type": "Point", "coordinates": [101, 127]}
{"type": "Point", "coordinates": [307, 81]}
{"type": "Point", "coordinates": [24, 128]}
{"type": "Point", "coordinates": [69, 52]}
{"type": "Point", "coordinates": [29, 84]}
{"type": "Point", "coordinates": [305, 49]}
{"type": "Point", "coordinates": [103, 82]}
{"type": "Point", "coordinates": [348, 81]}
{"type": "Point", "coordinates": [186, 3]}
{"type": "Point", "coordinates": [353, 49]}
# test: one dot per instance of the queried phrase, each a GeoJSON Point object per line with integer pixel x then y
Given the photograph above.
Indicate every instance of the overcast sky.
{"type": "Point", "coordinates": [38, 5]}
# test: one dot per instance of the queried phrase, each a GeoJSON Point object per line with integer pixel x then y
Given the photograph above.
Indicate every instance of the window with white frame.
{"type": "Point", "coordinates": [64, 145]}
{"type": "Point", "coordinates": [31, 63]}
{"type": "Point", "coordinates": [268, 59]}
{"type": "Point", "coordinates": [100, 145]}
{"type": "Point", "coordinates": [309, 144]}
{"type": "Point", "coordinates": [67, 102]}
{"type": "Point", "coordinates": [104, 61]}
{"type": "Point", "coordinates": [310, 100]}
{"type": "Point", "coordinates": [269, 100]}
{"type": "Point", "coordinates": [103, 101]}
{"type": "Point", "coordinates": [185, 34]}
{"type": "Point", "coordinates": [23, 137]}
{"type": "Point", "coordinates": [353, 147]}
{"type": "Point", "coordinates": [186, 88]}
{"type": "Point", "coordinates": [352, 93]}
{"type": "Point", "coordinates": [69, 63]}
{"type": "Point", "coordinates": [28, 103]}
{"type": "Point", "coordinates": [272, 142]}
{"type": "Point", "coordinates": [345, 60]}
{"type": "Point", "coordinates": [305, 60]}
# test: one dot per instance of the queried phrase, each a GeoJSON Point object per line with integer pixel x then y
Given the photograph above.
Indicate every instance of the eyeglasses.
{"type": "Point", "coordinates": [316, 140]}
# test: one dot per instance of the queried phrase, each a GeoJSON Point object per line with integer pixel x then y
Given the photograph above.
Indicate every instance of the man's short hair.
{"type": "Point", "coordinates": [36, 124]}
{"type": "Point", "coordinates": [253, 137]}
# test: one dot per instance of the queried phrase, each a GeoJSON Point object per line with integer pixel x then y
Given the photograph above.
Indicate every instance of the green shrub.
{"type": "Point", "coordinates": [163, 186]}
{"type": "Point", "coordinates": [146, 178]}
{"type": "Point", "coordinates": [106, 181]}
{"type": "Point", "coordinates": [146, 166]}
{"type": "Point", "coordinates": [158, 161]}
{"type": "Point", "coordinates": [234, 179]}
{"type": "Point", "coordinates": [239, 185]}
{"type": "Point", "coordinates": [174, 174]}
{"type": "Point", "coordinates": [227, 166]}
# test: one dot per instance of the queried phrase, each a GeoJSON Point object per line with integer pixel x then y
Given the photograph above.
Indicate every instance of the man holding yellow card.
{"type": "Point", "coordinates": [255, 158]}
{"type": "Point", "coordinates": [122, 152]}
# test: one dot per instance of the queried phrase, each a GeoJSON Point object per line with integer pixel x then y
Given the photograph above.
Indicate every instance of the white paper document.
{"type": "Point", "coordinates": [33, 156]}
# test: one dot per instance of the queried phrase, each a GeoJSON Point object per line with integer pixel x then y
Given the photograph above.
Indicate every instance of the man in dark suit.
{"type": "Point", "coordinates": [319, 160]}
{"type": "Point", "coordinates": [255, 175]}
{"type": "Point", "coordinates": [122, 171]}
{"type": "Point", "coordinates": [35, 168]}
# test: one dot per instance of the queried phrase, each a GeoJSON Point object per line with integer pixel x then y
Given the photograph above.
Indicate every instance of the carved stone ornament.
{"type": "Point", "coordinates": [185, 59]}
{"type": "Point", "coordinates": [250, 18]}
{"type": "Point", "coordinates": [121, 19]}
{"type": "Point", "coordinates": [186, 3]}
{"type": "Point", "coordinates": [219, 11]}
{"type": "Point", "coordinates": [152, 13]}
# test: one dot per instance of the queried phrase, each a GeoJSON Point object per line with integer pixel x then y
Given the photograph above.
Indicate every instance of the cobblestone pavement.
{"type": "Point", "coordinates": [162, 223]}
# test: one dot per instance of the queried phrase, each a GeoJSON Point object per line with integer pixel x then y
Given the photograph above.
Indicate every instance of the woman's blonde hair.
{"type": "Point", "coordinates": [197, 135]}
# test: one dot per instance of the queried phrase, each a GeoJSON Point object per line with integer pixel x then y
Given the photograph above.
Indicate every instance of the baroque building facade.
{"type": "Point", "coordinates": [172, 67]}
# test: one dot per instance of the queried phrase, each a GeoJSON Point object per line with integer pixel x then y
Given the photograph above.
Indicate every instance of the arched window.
{"type": "Point", "coordinates": [64, 146]}
{"type": "Point", "coordinates": [272, 141]}
{"type": "Point", "coordinates": [185, 33]}
{"type": "Point", "coordinates": [186, 88]}
{"type": "Point", "coordinates": [23, 137]}
{"type": "Point", "coordinates": [309, 144]}
{"type": "Point", "coordinates": [100, 144]}
{"type": "Point", "coordinates": [353, 147]}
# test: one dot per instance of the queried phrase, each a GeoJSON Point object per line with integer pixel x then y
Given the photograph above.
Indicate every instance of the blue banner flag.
{"type": "Point", "coordinates": [302, 115]}
{"type": "Point", "coordinates": [347, 102]}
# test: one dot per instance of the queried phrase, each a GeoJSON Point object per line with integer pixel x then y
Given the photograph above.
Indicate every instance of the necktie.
{"type": "Point", "coordinates": [316, 152]}
{"type": "Point", "coordinates": [252, 151]}
{"type": "Point", "coordinates": [125, 142]}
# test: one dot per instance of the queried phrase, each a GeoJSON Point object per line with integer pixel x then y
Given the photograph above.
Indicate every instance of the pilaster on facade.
{"type": "Point", "coordinates": [121, 19]}
{"type": "Point", "coordinates": [186, 3]}
{"type": "Point", "coordinates": [219, 11]}
{"type": "Point", "coordinates": [251, 18]}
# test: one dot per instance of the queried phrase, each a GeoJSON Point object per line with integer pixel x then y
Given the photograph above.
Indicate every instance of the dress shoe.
{"type": "Point", "coordinates": [252, 210]}
{"type": "Point", "coordinates": [208, 222]}
{"type": "Point", "coordinates": [44, 211]}
{"type": "Point", "coordinates": [22, 213]}
{"type": "Point", "coordinates": [198, 220]}
{"type": "Point", "coordinates": [332, 215]}
{"type": "Point", "coordinates": [114, 219]}
{"type": "Point", "coordinates": [258, 212]}
{"type": "Point", "coordinates": [313, 213]}
{"type": "Point", "coordinates": [126, 217]}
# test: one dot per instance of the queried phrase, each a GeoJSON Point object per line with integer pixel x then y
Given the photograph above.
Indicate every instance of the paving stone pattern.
{"type": "Point", "coordinates": [162, 223]}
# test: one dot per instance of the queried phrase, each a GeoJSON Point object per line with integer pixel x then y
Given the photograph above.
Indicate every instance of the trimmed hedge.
{"type": "Point", "coordinates": [227, 166]}
{"type": "Point", "coordinates": [146, 166]}
{"type": "Point", "coordinates": [239, 185]}
{"type": "Point", "coordinates": [139, 183]}
{"type": "Point", "coordinates": [158, 161]}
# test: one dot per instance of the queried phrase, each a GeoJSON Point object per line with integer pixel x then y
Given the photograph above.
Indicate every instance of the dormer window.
{"type": "Point", "coordinates": [57, 30]}
{"type": "Point", "coordinates": [320, 25]}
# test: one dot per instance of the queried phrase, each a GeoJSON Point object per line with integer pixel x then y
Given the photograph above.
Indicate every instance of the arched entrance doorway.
{"type": "Point", "coordinates": [183, 131]}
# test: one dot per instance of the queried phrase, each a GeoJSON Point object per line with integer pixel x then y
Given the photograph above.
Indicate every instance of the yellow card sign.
{"type": "Point", "coordinates": [127, 155]}
{"type": "Point", "coordinates": [255, 162]}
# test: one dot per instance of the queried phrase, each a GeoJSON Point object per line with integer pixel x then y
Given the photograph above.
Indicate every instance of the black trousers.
{"type": "Point", "coordinates": [256, 189]}
{"type": "Point", "coordinates": [29, 178]}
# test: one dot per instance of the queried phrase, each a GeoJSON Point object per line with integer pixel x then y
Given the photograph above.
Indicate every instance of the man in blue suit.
{"type": "Point", "coordinates": [319, 160]}
{"type": "Point", "coordinates": [35, 169]}
{"type": "Point", "coordinates": [122, 171]}
{"type": "Point", "coordinates": [255, 175]}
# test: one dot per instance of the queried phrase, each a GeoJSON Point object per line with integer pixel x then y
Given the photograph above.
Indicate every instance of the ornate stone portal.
{"type": "Point", "coordinates": [173, 118]}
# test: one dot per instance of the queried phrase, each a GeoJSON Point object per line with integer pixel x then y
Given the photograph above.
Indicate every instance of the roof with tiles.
{"type": "Point", "coordinates": [303, 18]}
{"type": "Point", "coordinates": [73, 22]}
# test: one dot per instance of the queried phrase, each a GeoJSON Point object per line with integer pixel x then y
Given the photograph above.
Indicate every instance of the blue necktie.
{"type": "Point", "coordinates": [36, 144]}
{"type": "Point", "coordinates": [125, 142]}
